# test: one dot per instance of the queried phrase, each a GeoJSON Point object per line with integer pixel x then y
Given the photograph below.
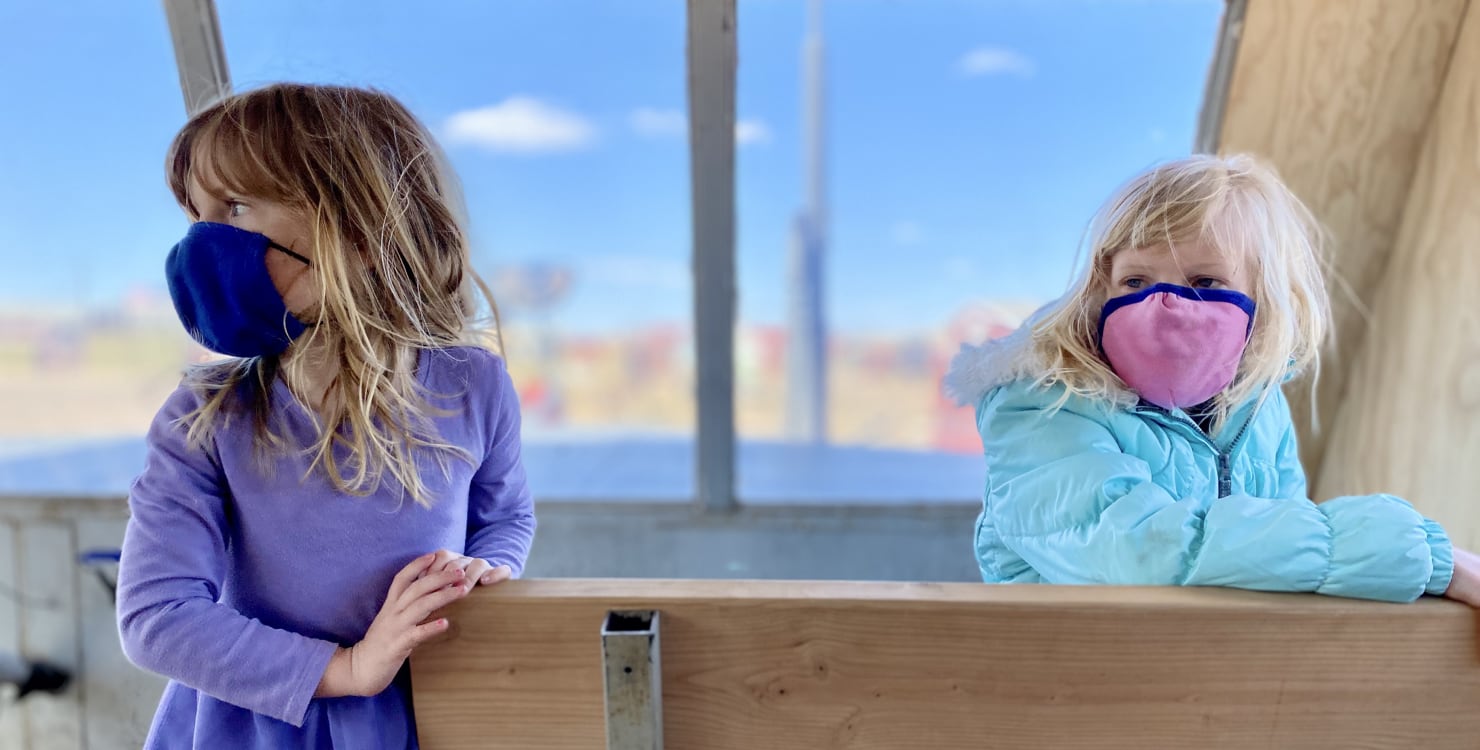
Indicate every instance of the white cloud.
{"type": "Point", "coordinates": [656, 123]}
{"type": "Point", "coordinates": [752, 131]}
{"type": "Point", "coordinates": [906, 233]}
{"type": "Point", "coordinates": [991, 61]}
{"type": "Point", "coordinates": [671, 123]}
{"type": "Point", "coordinates": [521, 125]}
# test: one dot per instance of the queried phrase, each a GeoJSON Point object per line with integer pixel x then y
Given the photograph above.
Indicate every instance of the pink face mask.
{"type": "Point", "coordinates": [1174, 345]}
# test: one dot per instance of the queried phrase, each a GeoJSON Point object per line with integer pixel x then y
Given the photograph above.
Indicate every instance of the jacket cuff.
{"type": "Point", "coordinates": [1442, 552]}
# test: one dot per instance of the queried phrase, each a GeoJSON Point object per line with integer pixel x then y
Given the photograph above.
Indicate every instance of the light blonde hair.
{"type": "Point", "coordinates": [1234, 204]}
{"type": "Point", "coordinates": [390, 250]}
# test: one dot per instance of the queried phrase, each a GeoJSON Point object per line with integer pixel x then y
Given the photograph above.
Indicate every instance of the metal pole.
{"type": "Point", "coordinates": [711, 89]}
{"type": "Point", "coordinates": [806, 351]}
{"type": "Point", "coordinates": [199, 54]}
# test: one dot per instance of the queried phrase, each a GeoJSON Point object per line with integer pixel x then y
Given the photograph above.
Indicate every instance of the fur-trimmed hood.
{"type": "Point", "coordinates": [977, 369]}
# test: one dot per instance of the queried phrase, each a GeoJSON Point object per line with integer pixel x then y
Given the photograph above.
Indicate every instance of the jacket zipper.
{"type": "Point", "coordinates": [1225, 457]}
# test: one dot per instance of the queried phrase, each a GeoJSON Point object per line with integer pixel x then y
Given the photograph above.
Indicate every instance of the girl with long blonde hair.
{"type": "Point", "coordinates": [1135, 430]}
{"type": "Point", "coordinates": [353, 464]}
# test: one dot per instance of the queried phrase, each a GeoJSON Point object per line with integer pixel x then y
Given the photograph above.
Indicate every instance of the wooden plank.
{"type": "Point", "coordinates": [862, 665]}
{"type": "Point", "coordinates": [1338, 95]}
{"type": "Point", "coordinates": [119, 698]}
{"type": "Point", "coordinates": [12, 720]}
{"type": "Point", "coordinates": [1412, 420]}
{"type": "Point", "coordinates": [48, 570]}
{"type": "Point", "coordinates": [711, 92]}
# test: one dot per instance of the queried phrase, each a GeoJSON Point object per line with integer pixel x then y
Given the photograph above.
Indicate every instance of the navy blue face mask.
{"type": "Point", "coordinates": [218, 280]}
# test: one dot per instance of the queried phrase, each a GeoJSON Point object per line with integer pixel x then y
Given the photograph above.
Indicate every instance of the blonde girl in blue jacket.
{"type": "Point", "coordinates": [1135, 430]}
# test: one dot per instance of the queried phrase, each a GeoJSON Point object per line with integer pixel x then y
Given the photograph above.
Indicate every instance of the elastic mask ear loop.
{"type": "Point", "coordinates": [300, 259]}
{"type": "Point", "coordinates": [290, 253]}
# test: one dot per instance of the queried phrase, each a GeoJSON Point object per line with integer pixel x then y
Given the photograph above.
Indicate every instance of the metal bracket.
{"type": "Point", "coordinates": [634, 681]}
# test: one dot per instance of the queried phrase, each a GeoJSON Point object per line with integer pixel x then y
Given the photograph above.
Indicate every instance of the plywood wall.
{"type": "Point", "coordinates": [1338, 95]}
{"type": "Point", "coordinates": [1411, 419]}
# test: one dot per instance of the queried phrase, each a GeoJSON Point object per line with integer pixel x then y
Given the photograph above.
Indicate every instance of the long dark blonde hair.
{"type": "Point", "coordinates": [390, 249]}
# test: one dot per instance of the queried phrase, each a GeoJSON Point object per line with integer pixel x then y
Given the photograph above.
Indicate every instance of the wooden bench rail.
{"type": "Point", "coordinates": [811, 665]}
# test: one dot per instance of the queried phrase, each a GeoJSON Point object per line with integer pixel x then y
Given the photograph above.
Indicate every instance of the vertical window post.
{"type": "Point", "coordinates": [711, 92]}
{"type": "Point", "coordinates": [199, 54]}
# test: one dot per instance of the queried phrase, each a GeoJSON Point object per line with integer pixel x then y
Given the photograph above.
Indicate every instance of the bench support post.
{"type": "Point", "coordinates": [634, 681]}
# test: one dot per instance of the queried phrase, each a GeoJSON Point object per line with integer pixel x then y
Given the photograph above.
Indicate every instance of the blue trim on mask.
{"type": "Point", "coordinates": [1238, 299]}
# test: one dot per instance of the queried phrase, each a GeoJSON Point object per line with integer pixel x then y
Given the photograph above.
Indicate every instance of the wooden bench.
{"type": "Point", "coordinates": [885, 665]}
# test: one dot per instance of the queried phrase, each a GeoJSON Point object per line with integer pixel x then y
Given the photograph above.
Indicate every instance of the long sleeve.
{"type": "Point", "coordinates": [1065, 498]}
{"type": "Point", "coordinates": [169, 587]}
{"type": "Point", "coordinates": [1293, 485]}
{"type": "Point", "coordinates": [501, 520]}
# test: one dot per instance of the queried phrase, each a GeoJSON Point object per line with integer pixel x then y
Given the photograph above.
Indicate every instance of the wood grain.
{"type": "Point", "coordinates": [1412, 420]}
{"type": "Point", "coordinates": [1338, 95]}
{"type": "Point", "coordinates": [860, 665]}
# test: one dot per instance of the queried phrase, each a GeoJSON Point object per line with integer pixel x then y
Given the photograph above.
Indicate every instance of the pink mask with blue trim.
{"type": "Point", "coordinates": [1176, 346]}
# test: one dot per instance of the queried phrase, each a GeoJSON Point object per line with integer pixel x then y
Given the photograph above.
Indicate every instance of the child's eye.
{"type": "Point", "coordinates": [236, 209]}
{"type": "Point", "coordinates": [1134, 282]}
{"type": "Point", "coordinates": [1206, 282]}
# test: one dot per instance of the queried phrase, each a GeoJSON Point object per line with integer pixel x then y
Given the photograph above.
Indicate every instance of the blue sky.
{"type": "Point", "coordinates": [970, 139]}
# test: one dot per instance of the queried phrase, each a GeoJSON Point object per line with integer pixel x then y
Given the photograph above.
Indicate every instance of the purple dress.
{"type": "Point", "coordinates": [237, 583]}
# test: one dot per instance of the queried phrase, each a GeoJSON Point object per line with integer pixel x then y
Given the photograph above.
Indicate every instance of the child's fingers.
{"type": "Point", "coordinates": [425, 632]}
{"type": "Point", "coordinates": [411, 572]}
{"type": "Point", "coordinates": [441, 559]}
{"type": "Point", "coordinates": [448, 560]}
{"type": "Point", "coordinates": [427, 584]}
{"type": "Point", "coordinates": [496, 575]}
{"type": "Point", "coordinates": [423, 607]}
{"type": "Point", "coordinates": [475, 570]}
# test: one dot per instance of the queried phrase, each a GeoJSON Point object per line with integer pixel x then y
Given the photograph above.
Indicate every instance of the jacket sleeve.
{"type": "Point", "coordinates": [174, 558]}
{"type": "Point", "coordinates": [1064, 496]}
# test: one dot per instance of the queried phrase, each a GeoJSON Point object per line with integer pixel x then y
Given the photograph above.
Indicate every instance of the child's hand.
{"type": "Point", "coordinates": [479, 572]}
{"type": "Point", "coordinates": [415, 593]}
{"type": "Point", "coordinates": [1465, 586]}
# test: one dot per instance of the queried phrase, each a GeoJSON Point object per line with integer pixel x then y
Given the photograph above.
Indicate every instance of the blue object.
{"type": "Point", "coordinates": [222, 292]}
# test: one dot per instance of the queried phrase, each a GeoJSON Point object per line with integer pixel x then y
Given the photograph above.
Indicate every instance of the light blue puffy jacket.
{"type": "Point", "coordinates": [1096, 493]}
